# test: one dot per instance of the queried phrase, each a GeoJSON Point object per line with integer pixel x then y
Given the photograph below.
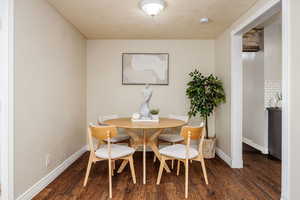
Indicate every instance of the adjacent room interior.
{"type": "Point", "coordinates": [262, 98]}
{"type": "Point", "coordinates": [144, 87]}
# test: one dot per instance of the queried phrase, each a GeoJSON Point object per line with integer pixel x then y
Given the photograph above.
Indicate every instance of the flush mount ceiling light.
{"type": "Point", "coordinates": [204, 20]}
{"type": "Point", "coordinates": [152, 7]}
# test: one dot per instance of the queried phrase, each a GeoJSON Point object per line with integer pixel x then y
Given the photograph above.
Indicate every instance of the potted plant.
{"type": "Point", "coordinates": [205, 94]}
{"type": "Point", "coordinates": [154, 114]}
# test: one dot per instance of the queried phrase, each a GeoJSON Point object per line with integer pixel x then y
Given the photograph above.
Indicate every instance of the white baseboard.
{"type": "Point", "coordinates": [256, 146]}
{"type": "Point", "coordinates": [41, 184]}
{"type": "Point", "coordinates": [223, 156]}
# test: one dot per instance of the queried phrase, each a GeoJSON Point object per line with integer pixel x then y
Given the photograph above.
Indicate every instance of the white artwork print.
{"type": "Point", "coordinates": [145, 69]}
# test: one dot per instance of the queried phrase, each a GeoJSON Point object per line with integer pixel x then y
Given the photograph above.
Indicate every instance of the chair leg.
{"type": "Point", "coordinates": [132, 169]}
{"type": "Point", "coordinates": [113, 167]}
{"type": "Point", "coordinates": [161, 168]}
{"type": "Point", "coordinates": [172, 165]}
{"type": "Point", "coordinates": [178, 167]}
{"type": "Point", "coordinates": [123, 165]}
{"type": "Point", "coordinates": [154, 158]}
{"type": "Point", "coordinates": [110, 179]}
{"type": "Point", "coordinates": [88, 171]}
{"type": "Point", "coordinates": [157, 144]}
{"type": "Point", "coordinates": [204, 171]}
{"type": "Point", "coordinates": [186, 178]}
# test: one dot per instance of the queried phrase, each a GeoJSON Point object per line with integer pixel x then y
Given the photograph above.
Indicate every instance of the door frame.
{"type": "Point", "coordinates": [257, 18]}
{"type": "Point", "coordinates": [7, 98]}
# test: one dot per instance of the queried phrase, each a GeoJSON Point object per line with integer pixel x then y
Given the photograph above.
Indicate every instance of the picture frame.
{"type": "Point", "coordinates": [145, 68]}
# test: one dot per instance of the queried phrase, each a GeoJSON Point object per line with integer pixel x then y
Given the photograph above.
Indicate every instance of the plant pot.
{"type": "Point", "coordinates": [209, 148]}
{"type": "Point", "coordinates": [155, 117]}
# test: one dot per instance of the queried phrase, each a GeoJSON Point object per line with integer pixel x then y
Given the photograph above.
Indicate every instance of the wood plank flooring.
{"type": "Point", "coordinates": [258, 180]}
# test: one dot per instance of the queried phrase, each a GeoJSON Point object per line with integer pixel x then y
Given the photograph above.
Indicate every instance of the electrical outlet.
{"type": "Point", "coordinates": [48, 160]}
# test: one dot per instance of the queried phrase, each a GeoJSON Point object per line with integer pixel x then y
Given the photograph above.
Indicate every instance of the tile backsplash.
{"type": "Point", "coordinates": [272, 87]}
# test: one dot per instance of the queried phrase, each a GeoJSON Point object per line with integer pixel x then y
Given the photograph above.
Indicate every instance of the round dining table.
{"type": "Point", "coordinates": [148, 136]}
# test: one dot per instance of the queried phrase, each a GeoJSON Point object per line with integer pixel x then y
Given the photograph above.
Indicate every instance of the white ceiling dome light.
{"type": "Point", "coordinates": [204, 20]}
{"type": "Point", "coordinates": [152, 7]}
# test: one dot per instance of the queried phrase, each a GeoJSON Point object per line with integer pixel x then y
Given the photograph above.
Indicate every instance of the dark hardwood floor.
{"type": "Point", "coordinates": [258, 180]}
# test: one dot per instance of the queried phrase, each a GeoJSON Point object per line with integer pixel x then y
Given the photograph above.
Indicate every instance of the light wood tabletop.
{"type": "Point", "coordinates": [163, 123]}
{"type": "Point", "coordinates": [146, 139]}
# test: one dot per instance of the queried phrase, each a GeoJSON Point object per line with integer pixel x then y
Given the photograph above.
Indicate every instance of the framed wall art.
{"type": "Point", "coordinates": [145, 68]}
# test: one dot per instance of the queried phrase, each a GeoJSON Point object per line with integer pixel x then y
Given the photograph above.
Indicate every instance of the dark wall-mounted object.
{"type": "Point", "coordinates": [275, 132]}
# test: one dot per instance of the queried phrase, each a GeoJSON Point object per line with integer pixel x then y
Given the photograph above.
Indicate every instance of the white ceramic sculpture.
{"type": "Point", "coordinates": [145, 109]}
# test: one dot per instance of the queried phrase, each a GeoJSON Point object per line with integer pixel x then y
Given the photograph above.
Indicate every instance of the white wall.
{"type": "Point", "coordinates": [254, 115]}
{"type": "Point", "coordinates": [293, 99]}
{"type": "Point", "coordinates": [273, 50]}
{"type": "Point", "coordinates": [222, 69]}
{"type": "Point", "coordinates": [49, 91]}
{"type": "Point", "coordinates": [106, 94]}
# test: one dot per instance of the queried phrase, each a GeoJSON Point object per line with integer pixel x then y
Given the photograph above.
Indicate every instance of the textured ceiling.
{"type": "Point", "coordinates": [123, 19]}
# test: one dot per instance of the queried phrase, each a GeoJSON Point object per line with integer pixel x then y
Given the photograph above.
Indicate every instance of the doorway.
{"type": "Point", "coordinates": [262, 86]}
{"type": "Point", "coordinates": [261, 15]}
{"type": "Point", "coordinates": [262, 92]}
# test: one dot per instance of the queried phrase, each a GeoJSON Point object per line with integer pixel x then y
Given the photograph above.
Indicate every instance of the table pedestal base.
{"type": "Point", "coordinates": [145, 141]}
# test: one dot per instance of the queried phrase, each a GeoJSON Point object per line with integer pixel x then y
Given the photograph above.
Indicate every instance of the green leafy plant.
{"type": "Point", "coordinates": [154, 111]}
{"type": "Point", "coordinates": [205, 94]}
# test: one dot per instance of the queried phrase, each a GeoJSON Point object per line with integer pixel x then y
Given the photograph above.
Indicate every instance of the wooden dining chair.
{"type": "Point", "coordinates": [109, 152]}
{"type": "Point", "coordinates": [172, 136]}
{"type": "Point", "coordinates": [184, 153]}
{"type": "Point", "coordinates": [122, 136]}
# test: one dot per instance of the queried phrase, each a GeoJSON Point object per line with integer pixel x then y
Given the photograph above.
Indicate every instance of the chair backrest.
{"type": "Point", "coordinates": [179, 117]}
{"type": "Point", "coordinates": [101, 119]}
{"type": "Point", "coordinates": [193, 132]}
{"type": "Point", "coordinates": [100, 133]}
